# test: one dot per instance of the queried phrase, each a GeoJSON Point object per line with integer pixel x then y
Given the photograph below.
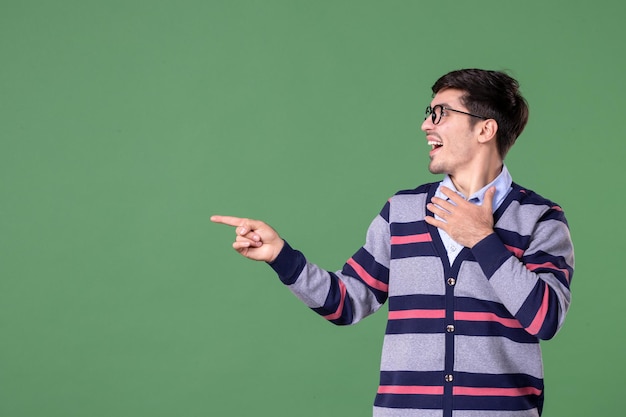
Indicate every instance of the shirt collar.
{"type": "Point", "coordinates": [502, 183]}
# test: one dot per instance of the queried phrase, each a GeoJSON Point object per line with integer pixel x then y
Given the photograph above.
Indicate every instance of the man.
{"type": "Point", "coordinates": [476, 268]}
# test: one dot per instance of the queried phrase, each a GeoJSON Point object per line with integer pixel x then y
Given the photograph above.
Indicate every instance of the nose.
{"type": "Point", "coordinates": [427, 124]}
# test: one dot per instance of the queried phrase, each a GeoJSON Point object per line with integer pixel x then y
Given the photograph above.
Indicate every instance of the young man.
{"type": "Point", "coordinates": [476, 268]}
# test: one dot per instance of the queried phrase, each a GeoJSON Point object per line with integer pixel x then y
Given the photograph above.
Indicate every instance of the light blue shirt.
{"type": "Point", "coordinates": [502, 183]}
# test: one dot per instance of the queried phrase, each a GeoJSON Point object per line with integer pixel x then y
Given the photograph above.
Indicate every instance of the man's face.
{"type": "Point", "coordinates": [453, 139]}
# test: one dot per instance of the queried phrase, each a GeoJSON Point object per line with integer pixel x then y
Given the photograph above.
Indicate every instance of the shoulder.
{"type": "Point", "coordinates": [529, 200]}
{"type": "Point", "coordinates": [409, 205]}
{"type": "Point", "coordinates": [420, 190]}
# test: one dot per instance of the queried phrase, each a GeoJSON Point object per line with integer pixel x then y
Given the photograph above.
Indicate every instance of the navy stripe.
{"type": "Point", "coordinates": [415, 326]}
{"type": "Point", "coordinates": [449, 271]}
{"type": "Point", "coordinates": [332, 303]}
{"type": "Point", "coordinates": [384, 213]}
{"type": "Point", "coordinates": [289, 264]}
{"type": "Point", "coordinates": [491, 254]}
{"type": "Point", "coordinates": [494, 403]}
{"type": "Point", "coordinates": [469, 379]}
{"type": "Point", "coordinates": [413, 250]}
{"type": "Point", "coordinates": [408, 229]}
{"type": "Point", "coordinates": [553, 214]}
{"type": "Point", "coordinates": [407, 378]}
{"type": "Point", "coordinates": [410, 302]}
{"type": "Point", "coordinates": [514, 239]}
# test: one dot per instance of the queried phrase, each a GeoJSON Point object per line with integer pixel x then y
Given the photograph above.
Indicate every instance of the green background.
{"type": "Point", "coordinates": [124, 125]}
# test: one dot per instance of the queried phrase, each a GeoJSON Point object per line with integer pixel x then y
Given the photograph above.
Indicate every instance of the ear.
{"type": "Point", "coordinates": [488, 131]}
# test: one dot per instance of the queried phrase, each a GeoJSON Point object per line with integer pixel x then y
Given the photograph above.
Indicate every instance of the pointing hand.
{"type": "Point", "coordinates": [255, 239]}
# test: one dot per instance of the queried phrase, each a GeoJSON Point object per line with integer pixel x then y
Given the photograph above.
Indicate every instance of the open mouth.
{"type": "Point", "coordinates": [435, 144]}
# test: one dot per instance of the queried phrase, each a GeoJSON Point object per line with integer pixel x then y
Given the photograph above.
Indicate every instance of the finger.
{"type": "Point", "coordinates": [444, 204]}
{"type": "Point", "coordinates": [248, 234]}
{"type": "Point", "coordinates": [489, 196]}
{"type": "Point", "coordinates": [242, 246]}
{"type": "Point", "coordinates": [246, 242]}
{"type": "Point", "coordinates": [228, 220]}
{"type": "Point", "coordinates": [253, 238]}
{"type": "Point", "coordinates": [434, 222]}
{"type": "Point", "coordinates": [437, 210]}
{"type": "Point", "coordinates": [452, 195]}
{"type": "Point", "coordinates": [244, 225]}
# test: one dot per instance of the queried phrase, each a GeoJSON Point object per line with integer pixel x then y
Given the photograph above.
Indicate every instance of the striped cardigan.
{"type": "Point", "coordinates": [462, 340]}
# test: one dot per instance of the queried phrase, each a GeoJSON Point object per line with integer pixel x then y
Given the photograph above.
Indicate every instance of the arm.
{"type": "Point", "coordinates": [342, 297]}
{"type": "Point", "coordinates": [532, 284]}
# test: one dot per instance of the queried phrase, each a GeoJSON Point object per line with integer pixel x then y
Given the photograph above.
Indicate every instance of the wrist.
{"type": "Point", "coordinates": [279, 247]}
{"type": "Point", "coordinates": [480, 237]}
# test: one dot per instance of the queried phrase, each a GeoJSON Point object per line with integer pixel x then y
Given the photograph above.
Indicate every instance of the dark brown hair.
{"type": "Point", "coordinates": [493, 95]}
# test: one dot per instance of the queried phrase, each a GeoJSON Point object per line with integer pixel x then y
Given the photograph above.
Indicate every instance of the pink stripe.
{"type": "Point", "coordinates": [557, 208]}
{"type": "Point", "coordinates": [412, 389]}
{"type": "Point", "coordinates": [337, 314]}
{"type": "Point", "coordinates": [535, 326]}
{"type": "Point", "coordinates": [550, 265]}
{"type": "Point", "coordinates": [491, 317]}
{"type": "Point", "coordinates": [417, 314]}
{"type": "Point", "coordinates": [516, 251]}
{"type": "Point", "coordinates": [496, 392]}
{"type": "Point", "coordinates": [369, 280]}
{"type": "Point", "coordinates": [403, 240]}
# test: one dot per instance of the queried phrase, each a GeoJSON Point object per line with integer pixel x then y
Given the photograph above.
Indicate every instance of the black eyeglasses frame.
{"type": "Point", "coordinates": [432, 111]}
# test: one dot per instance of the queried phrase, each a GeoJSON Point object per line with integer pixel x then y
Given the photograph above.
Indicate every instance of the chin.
{"type": "Point", "coordinates": [435, 169]}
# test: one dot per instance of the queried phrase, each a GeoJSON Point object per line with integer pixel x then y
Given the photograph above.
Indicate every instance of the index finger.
{"type": "Point", "coordinates": [228, 220]}
{"type": "Point", "coordinates": [243, 225]}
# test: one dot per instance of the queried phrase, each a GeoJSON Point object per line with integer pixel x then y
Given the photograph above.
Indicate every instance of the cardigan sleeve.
{"type": "Point", "coordinates": [346, 296]}
{"type": "Point", "coordinates": [533, 283]}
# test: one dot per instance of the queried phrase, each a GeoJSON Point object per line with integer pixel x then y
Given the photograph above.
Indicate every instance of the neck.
{"type": "Point", "coordinates": [472, 180]}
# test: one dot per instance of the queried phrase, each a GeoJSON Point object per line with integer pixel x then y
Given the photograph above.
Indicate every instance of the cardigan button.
{"type": "Point", "coordinates": [449, 378]}
{"type": "Point", "coordinates": [450, 328]}
{"type": "Point", "coordinates": [451, 281]}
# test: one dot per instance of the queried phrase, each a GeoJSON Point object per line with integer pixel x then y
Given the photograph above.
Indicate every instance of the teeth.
{"type": "Point", "coordinates": [435, 143]}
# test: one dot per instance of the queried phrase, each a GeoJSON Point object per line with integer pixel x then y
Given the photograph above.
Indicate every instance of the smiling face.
{"type": "Point", "coordinates": [454, 139]}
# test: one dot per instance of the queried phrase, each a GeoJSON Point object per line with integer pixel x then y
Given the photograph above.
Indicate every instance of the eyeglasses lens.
{"type": "Point", "coordinates": [434, 113]}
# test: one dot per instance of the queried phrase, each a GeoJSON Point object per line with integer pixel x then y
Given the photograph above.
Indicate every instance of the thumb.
{"type": "Point", "coordinates": [489, 195]}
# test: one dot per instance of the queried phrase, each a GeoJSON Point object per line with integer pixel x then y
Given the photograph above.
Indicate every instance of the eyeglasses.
{"type": "Point", "coordinates": [437, 111]}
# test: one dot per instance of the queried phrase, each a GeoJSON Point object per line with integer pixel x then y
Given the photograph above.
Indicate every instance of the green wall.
{"type": "Point", "coordinates": [125, 124]}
